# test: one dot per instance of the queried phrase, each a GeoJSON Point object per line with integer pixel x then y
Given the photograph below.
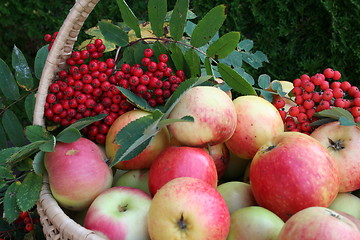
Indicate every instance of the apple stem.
{"type": "Point", "coordinates": [123, 208]}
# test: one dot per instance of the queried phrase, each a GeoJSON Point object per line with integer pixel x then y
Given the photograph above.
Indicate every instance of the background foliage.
{"type": "Point", "coordinates": [298, 37]}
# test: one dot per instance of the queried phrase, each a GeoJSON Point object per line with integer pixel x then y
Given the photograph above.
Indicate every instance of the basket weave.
{"type": "Point", "coordinates": [56, 224]}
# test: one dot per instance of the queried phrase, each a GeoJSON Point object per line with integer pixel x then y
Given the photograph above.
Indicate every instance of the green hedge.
{"type": "Point", "coordinates": [298, 37]}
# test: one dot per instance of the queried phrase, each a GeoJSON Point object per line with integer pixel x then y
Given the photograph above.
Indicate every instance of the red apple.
{"type": "Point", "coordinates": [291, 172]}
{"type": "Point", "coordinates": [120, 213]}
{"type": "Point", "coordinates": [188, 208]}
{"type": "Point", "coordinates": [77, 173]}
{"type": "Point", "coordinates": [343, 144]}
{"type": "Point", "coordinates": [257, 122]}
{"type": "Point", "coordinates": [316, 223]}
{"type": "Point", "coordinates": [176, 162]}
{"type": "Point", "coordinates": [221, 156]}
{"type": "Point", "coordinates": [214, 117]}
{"type": "Point", "coordinates": [145, 158]}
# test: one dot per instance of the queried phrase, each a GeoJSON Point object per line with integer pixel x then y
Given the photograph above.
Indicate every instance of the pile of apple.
{"type": "Point", "coordinates": [190, 182]}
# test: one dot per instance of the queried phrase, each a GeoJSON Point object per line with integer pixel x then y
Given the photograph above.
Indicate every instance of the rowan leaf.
{"type": "Point", "coordinates": [13, 128]}
{"type": "Point", "coordinates": [22, 71]}
{"type": "Point", "coordinates": [157, 11]}
{"type": "Point", "coordinates": [38, 163]}
{"type": "Point", "coordinates": [36, 133]}
{"type": "Point", "coordinates": [136, 100]}
{"type": "Point", "coordinates": [40, 60]}
{"type": "Point", "coordinates": [8, 85]}
{"type": "Point", "coordinates": [225, 45]}
{"type": "Point", "coordinates": [6, 173]}
{"type": "Point", "coordinates": [114, 34]}
{"type": "Point", "coordinates": [178, 19]}
{"type": "Point", "coordinates": [193, 62]}
{"type": "Point", "coordinates": [11, 209]}
{"type": "Point", "coordinates": [69, 135]}
{"type": "Point", "coordinates": [28, 192]}
{"type": "Point", "coordinates": [29, 106]}
{"type": "Point", "coordinates": [129, 17]}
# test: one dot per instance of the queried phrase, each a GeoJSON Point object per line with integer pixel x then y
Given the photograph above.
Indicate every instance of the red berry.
{"type": "Point", "coordinates": [355, 111]}
{"type": "Point", "coordinates": [324, 85]}
{"type": "Point", "coordinates": [148, 52]}
{"type": "Point", "coordinates": [163, 58]}
{"type": "Point", "coordinates": [47, 37]}
{"type": "Point", "coordinates": [294, 111]}
{"type": "Point", "coordinates": [327, 94]}
{"type": "Point", "coordinates": [126, 68]}
{"type": "Point", "coordinates": [353, 91]}
{"type": "Point", "coordinates": [54, 87]}
{"type": "Point", "coordinates": [302, 117]}
{"type": "Point", "coordinates": [337, 75]}
{"type": "Point", "coordinates": [57, 108]}
{"type": "Point", "coordinates": [152, 66]}
{"type": "Point", "coordinates": [345, 86]}
{"type": "Point", "coordinates": [328, 73]}
{"type": "Point", "coordinates": [297, 82]}
{"type": "Point", "coordinates": [308, 104]}
{"type": "Point", "coordinates": [279, 103]}
{"type": "Point", "coordinates": [338, 93]}
{"type": "Point", "coordinates": [29, 227]}
{"type": "Point", "coordinates": [145, 61]}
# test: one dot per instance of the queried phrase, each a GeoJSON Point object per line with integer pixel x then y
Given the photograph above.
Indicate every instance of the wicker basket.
{"type": "Point", "coordinates": [56, 224]}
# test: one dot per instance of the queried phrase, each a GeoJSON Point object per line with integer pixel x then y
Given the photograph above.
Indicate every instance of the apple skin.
{"type": "Point", "coordinates": [120, 213]}
{"type": "Point", "coordinates": [221, 156]}
{"type": "Point", "coordinates": [135, 179]}
{"type": "Point", "coordinates": [214, 117]}
{"type": "Point", "coordinates": [315, 223]}
{"type": "Point", "coordinates": [237, 195]}
{"type": "Point", "coordinates": [254, 223]}
{"type": "Point", "coordinates": [345, 149]}
{"type": "Point", "coordinates": [77, 173]}
{"type": "Point", "coordinates": [145, 158]}
{"type": "Point", "coordinates": [188, 208]}
{"type": "Point", "coordinates": [257, 122]}
{"type": "Point", "coordinates": [346, 203]}
{"type": "Point", "coordinates": [184, 161]}
{"type": "Point", "coordinates": [291, 172]}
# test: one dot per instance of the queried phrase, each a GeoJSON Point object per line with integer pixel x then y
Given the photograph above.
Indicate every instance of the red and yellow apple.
{"type": "Point", "coordinates": [188, 208]}
{"type": "Point", "coordinates": [293, 171]}
{"type": "Point", "coordinates": [221, 156]}
{"type": "Point", "coordinates": [214, 117]}
{"type": "Point", "coordinates": [257, 122]}
{"type": "Point", "coordinates": [146, 157]}
{"type": "Point", "coordinates": [77, 173]}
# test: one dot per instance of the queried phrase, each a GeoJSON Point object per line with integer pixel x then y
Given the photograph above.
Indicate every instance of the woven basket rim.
{"type": "Point", "coordinates": [56, 224]}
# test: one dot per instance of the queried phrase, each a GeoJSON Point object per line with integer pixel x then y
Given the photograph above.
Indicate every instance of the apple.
{"type": "Point", "coordinates": [188, 208]}
{"type": "Point", "coordinates": [145, 158]}
{"type": "Point", "coordinates": [221, 156]}
{"type": "Point", "coordinates": [319, 223]}
{"type": "Point", "coordinates": [184, 161]}
{"type": "Point", "coordinates": [77, 173]}
{"type": "Point", "coordinates": [236, 195]}
{"type": "Point", "coordinates": [134, 178]}
{"type": "Point", "coordinates": [257, 122]}
{"type": "Point", "coordinates": [348, 203]}
{"type": "Point", "coordinates": [342, 143]}
{"type": "Point", "coordinates": [236, 168]}
{"type": "Point", "coordinates": [120, 213]}
{"type": "Point", "coordinates": [214, 117]}
{"type": "Point", "coordinates": [254, 223]}
{"type": "Point", "coordinates": [293, 171]}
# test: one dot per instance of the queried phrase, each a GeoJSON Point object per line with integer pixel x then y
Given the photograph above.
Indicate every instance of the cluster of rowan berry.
{"type": "Point", "coordinates": [315, 93]}
{"type": "Point", "coordinates": [89, 87]}
{"type": "Point", "coordinates": [50, 38]}
{"type": "Point", "coordinates": [24, 222]}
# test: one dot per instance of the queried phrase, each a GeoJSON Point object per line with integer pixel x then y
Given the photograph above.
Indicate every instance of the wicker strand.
{"type": "Point", "coordinates": [56, 224]}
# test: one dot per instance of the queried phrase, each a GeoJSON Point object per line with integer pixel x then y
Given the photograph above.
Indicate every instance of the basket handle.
{"type": "Point", "coordinates": [60, 51]}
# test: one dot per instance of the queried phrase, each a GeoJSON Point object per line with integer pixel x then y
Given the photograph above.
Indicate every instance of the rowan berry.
{"type": "Point", "coordinates": [29, 227]}
{"type": "Point", "coordinates": [337, 76]}
{"type": "Point", "coordinates": [328, 73]}
{"type": "Point", "coordinates": [145, 61]}
{"type": "Point", "coordinates": [148, 52]}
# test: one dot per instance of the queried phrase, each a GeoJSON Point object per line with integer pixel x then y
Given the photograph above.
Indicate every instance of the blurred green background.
{"type": "Point", "coordinates": [297, 36]}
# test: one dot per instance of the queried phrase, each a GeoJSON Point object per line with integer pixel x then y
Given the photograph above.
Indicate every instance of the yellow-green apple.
{"type": "Point", "coordinates": [214, 117]}
{"type": "Point", "coordinates": [184, 161]}
{"type": "Point", "coordinates": [343, 144]}
{"type": "Point", "coordinates": [293, 171]}
{"type": "Point", "coordinates": [237, 195]}
{"type": "Point", "coordinates": [146, 157]}
{"type": "Point", "coordinates": [319, 223]}
{"type": "Point", "coordinates": [120, 213]}
{"type": "Point", "coordinates": [188, 208]}
{"type": "Point", "coordinates": [257, 122]}
{"type": "Point", "coordinates": [221, 156]}
{"type": "Point", "coordinates": [347, 203]}
{"type": "Point", "coordinates": [254, 223]}
{"type": "Point", "coordinates": [236, 168]}
{"type": "Point", "coordinates": [77, 173]}
{"type": "Point", "coordinates": [135, 178]}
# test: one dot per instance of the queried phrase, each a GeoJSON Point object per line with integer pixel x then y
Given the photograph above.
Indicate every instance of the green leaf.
{"type": "Point", "coordinates": [208, 26]}
{"type": "Point", "coordinates": [7, 153]}
{"type": "Point", "coordinates": [208, 67]}
{"type": "Point", "coordinates": [178, 19]}
{"type": "Point", "coordinates": [222, 47]}
{"type": "Point", "coordinates": [49, 145]}
{"type": "Point", "coordinates": [13, 128]}
{"type": "Point", "coordinates": [81, 123]}
{"type": "Point", "coordinates": [251, 59]}
{"type": "Point", "coordinates": [36, 133]}
{"type": "Point", "coordinates": [322, 121]}
{"type": "Point", "coordinates": [40, 60]}
{"type": "Point", "coordinates": [3, 139]}
{"type": "Point", "coordinates": [129, 17]}
{"type": "Point", "coordinates": [277, 87]}
{"type": "Point", "coordinates": [22, 71]}
{"type": "Point", "coordinates": [177, 56]}
{"type": "Point", "coordinates": [28, 192]}
{"type": "Point", "coordinates": [335, 113]}
{"type": "Point", "coordinates": [264, 81]}
{"type": "Point", "coordinates": [30, 106]}
{"type": "Point", "coordinates": [234, 80]}
{"type": "Point", "coordinates": [181, 90]}
{"type": "Point", "coordinates": [193, 62]}
{"type": "Point", "coordinates": [22, 153]}
{"type": "Point", "coordinates": [68, 135]}
{"type": "Point", "coordinates": [136, 100]}
{"type": "Point", "coordinates": [132, 138]}
{"type": "Point", "coordinates": [38, 163]}
{"type": "Point", "coordinates": [11, 209]}
{"type": "Point", "coordinates": [6, 173]}
{"type": "Point", "coordinates": [267, 95]}
{"type": "Point", "coordinates": [114, 34]}
{"type": "Point", "coordinates": [344, 121]}
{"type": "Point", "coordinates": [24, 165]}
{"type": "Point", "coordinates": [157, 11]}
{"type": "Point", "coordinates": [246, 45]}
{"type": "Point", "coordinates": [8, 84]}
{"type": "Point", "coordinates": [168, 121]}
